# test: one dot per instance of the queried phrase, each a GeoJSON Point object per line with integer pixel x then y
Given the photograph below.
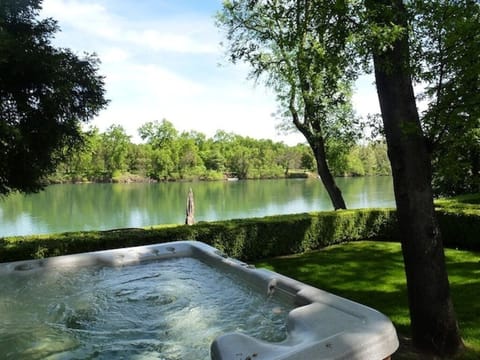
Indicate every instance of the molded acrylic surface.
{"type": "Point", "coordinates": [321, 326]}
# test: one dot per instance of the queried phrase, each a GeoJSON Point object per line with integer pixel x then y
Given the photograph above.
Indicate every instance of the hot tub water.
{"type": "Point", "coordinates": [167, 309]}
{"type": "Point", "coordinates": [177, 300]}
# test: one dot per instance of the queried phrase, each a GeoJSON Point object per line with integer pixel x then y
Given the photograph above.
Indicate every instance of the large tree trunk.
{"type": "Point", "coordinates": [433, 320]}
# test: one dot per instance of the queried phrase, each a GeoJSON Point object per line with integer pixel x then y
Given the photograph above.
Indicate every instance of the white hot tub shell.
{"type": "Point", "coordinates": [322, 326]}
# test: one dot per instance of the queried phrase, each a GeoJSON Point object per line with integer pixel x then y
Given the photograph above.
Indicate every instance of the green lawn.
{"type": "Point", "coordinates": [372, 273]}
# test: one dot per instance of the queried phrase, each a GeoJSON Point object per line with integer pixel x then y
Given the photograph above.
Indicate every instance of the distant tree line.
{"type": "Point", "coordinates": [169, 155]}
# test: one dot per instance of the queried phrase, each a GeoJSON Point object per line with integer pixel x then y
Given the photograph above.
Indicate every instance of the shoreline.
{"type": "Point", "coordinates": [134, 178]}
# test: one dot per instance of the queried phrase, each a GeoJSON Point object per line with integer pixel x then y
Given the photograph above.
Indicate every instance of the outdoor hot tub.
{"type": "Point", "coordinates": [178, 300]}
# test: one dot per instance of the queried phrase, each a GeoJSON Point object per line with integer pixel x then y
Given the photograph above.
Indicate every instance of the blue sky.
{"type": "Point", "coordinates": [163, 59]}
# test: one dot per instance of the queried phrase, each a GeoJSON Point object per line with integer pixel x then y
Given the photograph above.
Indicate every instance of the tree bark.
{"type": "Point", "coordinates": [328, 181]}
{"type": "Point", "coordinates": [317, 144]}
{"type": "Point", "coordinates": [433, 320]}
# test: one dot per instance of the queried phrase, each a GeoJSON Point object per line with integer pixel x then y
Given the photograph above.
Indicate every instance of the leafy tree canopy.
{"type": "Point", "coordinates": [293, 46]}
{"type": "Point", "coordinates": [45, 95]}
{"type": "Point", "coordinates": [312, 49]}
{"type": "Point", "coordinates": [446, 50]}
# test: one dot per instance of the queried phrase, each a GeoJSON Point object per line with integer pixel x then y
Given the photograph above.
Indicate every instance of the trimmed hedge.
{"type": "Point", "coordinates": [460, 228]}
{"type": "Point", "coordinates": [246, 239]}
{"type": "Point", "coordinates": [459, 220]}
{"type": "Point", "coordinates": [252, 239]}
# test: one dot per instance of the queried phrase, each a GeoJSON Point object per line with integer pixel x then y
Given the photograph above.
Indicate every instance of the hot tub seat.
{"type": "Point", "coordinates": [322, 326]}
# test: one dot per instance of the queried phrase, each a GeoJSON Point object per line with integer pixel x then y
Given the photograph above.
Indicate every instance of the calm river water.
{"type": "Point", "coordinates": [63, 208]}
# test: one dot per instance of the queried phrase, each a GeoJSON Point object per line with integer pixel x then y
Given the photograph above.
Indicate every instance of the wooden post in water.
{"type": "Point", "coordinates": [190, 212]}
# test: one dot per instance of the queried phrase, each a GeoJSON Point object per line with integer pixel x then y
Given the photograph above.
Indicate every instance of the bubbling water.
{"type": "Point", "coordinates": [169, 309]}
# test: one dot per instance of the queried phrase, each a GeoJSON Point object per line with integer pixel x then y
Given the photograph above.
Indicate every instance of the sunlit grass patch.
{"type": "Point", "coordinates": [372, 273]}
{"type": "Point", "coordinates": [464, 202]}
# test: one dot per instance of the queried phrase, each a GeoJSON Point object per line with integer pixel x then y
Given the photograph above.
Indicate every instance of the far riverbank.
{"type": "Point", "coordinates": [128, 178]}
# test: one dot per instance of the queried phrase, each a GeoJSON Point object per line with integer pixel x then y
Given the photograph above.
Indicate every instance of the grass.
{"type": "Point", "coordinates": [465, 200]}
{"type": "Point", "coordinates": [372, 273]}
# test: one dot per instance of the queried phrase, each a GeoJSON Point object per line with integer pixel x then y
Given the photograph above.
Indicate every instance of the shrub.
{"type": "Point", "coordinates": [460, 228]}
{"type": "Point", "coordinates": [459, 220]}
{"type": "Point", "coordinates": [256, 238]}
{"type": "Point", "coordinates": [246, 239]}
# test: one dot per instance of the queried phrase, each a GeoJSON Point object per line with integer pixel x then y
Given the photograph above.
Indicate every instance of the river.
{"type": "Point", "coordinates": [62, 208]}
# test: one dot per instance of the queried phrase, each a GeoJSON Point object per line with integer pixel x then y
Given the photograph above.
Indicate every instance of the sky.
{"type": "Point", "coordinates": [162, 59]}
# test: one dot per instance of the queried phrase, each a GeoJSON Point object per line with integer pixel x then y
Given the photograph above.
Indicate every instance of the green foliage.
{"type": "Point", "coordinates": [308, 52]}
{"type": "Point", "coordinates": [174, 156]}
{"type": "Point", "coordinates": [307, 161]}
{"type": "Point", "coordinates": [305, 60]}
{"type": "Point", "coordinates": [45, 94]}
{"type": "Point", "coordinates": [361, 160]}
{"type": "Point", "coordinates": [115, 146]}
{"type": "Point", "coordinates": [465, 201]}
{"type": "Point", "coordinates": [460, 228]}
{"type": "Point", "coordinates": [191, 155]}
{"type": "Point", "coordinates": [456, 164]}
{"type": "Point", "coordinates": [459, 220]}
{"type": "Point", "coordinates": [158, 134]}
{"type": "Point", "coordinates": [446, 51]}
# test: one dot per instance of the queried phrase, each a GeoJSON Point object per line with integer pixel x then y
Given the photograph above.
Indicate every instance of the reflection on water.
{"type": "Point", "coordinates": [172, 308]}
{"type": "Point", "coordinates": [107, 206]}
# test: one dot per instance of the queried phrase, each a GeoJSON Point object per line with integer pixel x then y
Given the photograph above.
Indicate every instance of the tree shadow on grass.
{"type": "Point", "coordinates": [372, 274]}
{"type": "Point", "coordinates": [365, 272]}
{"type": "Point", "coordinates": [464, 274]}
